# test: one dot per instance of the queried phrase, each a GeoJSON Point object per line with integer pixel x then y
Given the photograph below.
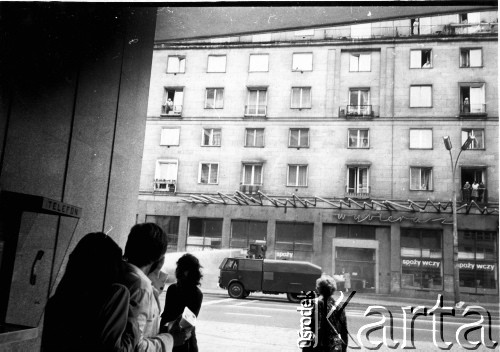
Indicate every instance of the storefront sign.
{"type": "Point", "coordinates": [420, 263]}
{"type": "Point", "coordinates": [284, 255]}
{"type": "Point", "coordinates": [476, 266]}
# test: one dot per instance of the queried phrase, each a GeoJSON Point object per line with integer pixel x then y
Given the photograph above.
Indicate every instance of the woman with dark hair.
{"type": "Point", "coordinates": [89, 309]}
{"type": "Point", "coordinates": [184, 293]}
{"type": "Point", "coordinates": [332, 328]}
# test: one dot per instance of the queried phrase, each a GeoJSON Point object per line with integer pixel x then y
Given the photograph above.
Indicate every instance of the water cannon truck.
{"type": "Point", "coordinates": [242, 276]}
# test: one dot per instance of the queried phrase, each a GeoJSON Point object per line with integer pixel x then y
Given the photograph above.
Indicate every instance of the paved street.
{"type": "Point", "coordinates": [271, 323]}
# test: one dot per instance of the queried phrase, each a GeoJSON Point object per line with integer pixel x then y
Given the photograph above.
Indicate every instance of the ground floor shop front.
{"type": "Point", "coordinates": [403, 253]}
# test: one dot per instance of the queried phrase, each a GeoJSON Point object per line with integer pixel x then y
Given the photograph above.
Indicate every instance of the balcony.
{"type": "Point", "coordinates": [357, 192]}
{"type": "Point", "coordinates": [250, 189]}
{"type": "Point", "coordinates": [256, 110]}
{"type": "Point", "coordinates": [173, 111]}
{"type": "Point", "coordinates": [473, 110]}
{"type": "Point", "coordinates": [164, 186]}
{"type": "Point", "coordinates": [451, 29]}
{"type": "Point", "coordinates": [358, 111]}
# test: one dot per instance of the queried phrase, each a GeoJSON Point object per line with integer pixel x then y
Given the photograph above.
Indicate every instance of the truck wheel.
{"type": "Point", "coordinates": [293, 297]}
{"type": "Point", "coordinates": [236, 290]}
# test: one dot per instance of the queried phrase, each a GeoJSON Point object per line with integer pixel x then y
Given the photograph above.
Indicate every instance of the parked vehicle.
{"type": "Point", "coordinates": [241, 276]}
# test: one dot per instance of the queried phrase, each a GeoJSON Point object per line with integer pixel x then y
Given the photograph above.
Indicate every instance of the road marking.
{"type": "Point", "coordinates": [218, 301]}
{"type": "Point", "coordinates": [254, 315]}
{"type": "Point", "coordinates": [242, 303]}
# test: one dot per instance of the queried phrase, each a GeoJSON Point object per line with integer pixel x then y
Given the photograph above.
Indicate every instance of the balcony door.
{"type": "Point", "coordinates": [357, 181]}
{"type": "Point", "coordinates": [359, 101]}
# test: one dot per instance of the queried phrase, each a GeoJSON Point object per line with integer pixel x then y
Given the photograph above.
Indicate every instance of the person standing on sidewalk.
{"type": "Point", "coordinates": [332, 329]}
{"type": "Point", "coordinates": [145, 253]}
{"type": "Point", "coordinates": [184, 293]}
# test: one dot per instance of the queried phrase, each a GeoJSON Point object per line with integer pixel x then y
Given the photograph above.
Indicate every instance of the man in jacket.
{"type": "Point", "coordinates": [145, 252]}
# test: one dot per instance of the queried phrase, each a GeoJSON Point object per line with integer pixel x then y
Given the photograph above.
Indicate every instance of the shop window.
{"type": "Point", "coordinates": [302, 62]}
{"type": "Point", "coordinates": [298, 138]}
{"type": "Point", "coordinates": [204, 234]}
{"type": "Point", "coordinates": [360, 62]}
{"type": "Point", "coordinates": [209, 173]}
{"type": "Point", "coordinates": [297, 175]}
{"type": "Point", "coordinates": [294, 241]}
{"type": "Point", "coordinates": [358, 138]}
{"type": "Point", "coordinates": [420, 96]}
{"type": "Point", "coordinates": [471, 58]}
{"type": "Point", "coordinates": [478, 261]}
{"type": "Point", "coordinates": [356, 232]}
{"type": "Point", "coordinates": [421, 58]}
{"type": "Point", "coordinates": [170, 136]}
{"type": "Point", "coordinates": [259, 63]}
{"type": "Point", "coordinates": [246, 232]}
{"type": "Point", "coordinates": [301, 98]}
{"type": "Point", "coordinates": [176, 64]}
{"type": "Point", "coordinates": [214, 98]}
{"type": "Point", "coordinates": [169, 224]}
{"type": "Point", "coordinates": [216, 63]}
{"type": "Point", "coordinates": [421, 179]}
{"type": "Point", "coordinates": [254, 137]}
{"type": "Point", "coordinates": [421, 259]}
{"type": "Point", "coordinates": [477, 134]}
{"type": "Point", "coordinates": [420, 138]}
{"type": "Point", "coordinates": [211, 137]}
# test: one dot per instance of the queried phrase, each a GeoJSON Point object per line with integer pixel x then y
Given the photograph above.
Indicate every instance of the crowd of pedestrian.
{"type": "Point", "coordinates": [107, 301]}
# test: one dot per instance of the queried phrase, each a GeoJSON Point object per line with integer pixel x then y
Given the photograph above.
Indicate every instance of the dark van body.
{"type": "Point", "coordinates": [241, 276]}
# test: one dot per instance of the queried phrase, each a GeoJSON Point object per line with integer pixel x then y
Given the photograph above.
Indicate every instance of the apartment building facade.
{"type": "Point", "coordinates": [326, 145]}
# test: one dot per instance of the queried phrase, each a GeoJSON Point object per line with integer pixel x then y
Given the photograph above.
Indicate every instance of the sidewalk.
{"type": "Point", "coordinates": [386, 300]}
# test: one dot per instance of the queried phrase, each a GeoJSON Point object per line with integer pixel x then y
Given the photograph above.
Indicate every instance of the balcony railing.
{"type": "Point", "coordinates": [358, 192]}
{"type": "Point", "coordinates": [161, 185]}
{"type": "Point", "coordinates": [473, 110]}
{"type": "Point", "coordinates": [255, 110]}
{"type": "Point", "coordinates": [174, 110]}
{"type": "Point", "coordinates": [358, 111]}
{"type": "Point", "coordinates": [250, 189]}
{"type": "Point", "coordinates": [407, 31]}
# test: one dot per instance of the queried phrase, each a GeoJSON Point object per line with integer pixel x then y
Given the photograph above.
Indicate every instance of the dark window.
{"type": "Point", "coordinates": [204, 234]}
{"type": "Point", "coordinates": [294, 241]}
{"type": "Point", "coordinates": [246, 232]}
{"type": "Point", "coordinates": [356, 231]}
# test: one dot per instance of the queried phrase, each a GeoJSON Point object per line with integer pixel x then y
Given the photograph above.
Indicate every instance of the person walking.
{"type": "Point", "coordinates": [332, 323]}
{"type": "Point", "coordinates": [347, 280]}
{"type": "Point", "coordinates": [89, 309]}
{"type": "Point", "coordinates": [145, 253]}
{"type": "Point", "coordinates": [184, 293]}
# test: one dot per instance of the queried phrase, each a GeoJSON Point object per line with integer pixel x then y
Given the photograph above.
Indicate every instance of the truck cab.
{"type": "Point", "coordinates": [241, 276]}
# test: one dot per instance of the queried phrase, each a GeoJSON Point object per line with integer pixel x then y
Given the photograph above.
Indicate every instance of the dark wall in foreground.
{"type": "Point", "coordinates": [75, 81]}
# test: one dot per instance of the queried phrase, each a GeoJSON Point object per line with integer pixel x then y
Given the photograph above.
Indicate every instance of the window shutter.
{"type": "Point", "coordinates": [475, 57]}
{"type": "Point", "coordinates": [364, 62]}
{"type": "Point", "coordinates": [354, 63]}
{"type": "Point", "coordinates": [169, 136]}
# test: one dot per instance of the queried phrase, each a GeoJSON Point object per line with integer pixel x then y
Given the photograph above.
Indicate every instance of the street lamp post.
{"type": "Point", "coordinates": [456, 267]}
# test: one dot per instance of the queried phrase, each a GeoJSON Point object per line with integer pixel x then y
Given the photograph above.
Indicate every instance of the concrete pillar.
{"type": "Point", "coordinates": [183, 229]}
{"type": "Point", "coordinates": [448, 259]}
{"type": "Point", "coordinates": [395, 258]}
{"type": "Point", "coordinates": [317, 241]}
{"type": "Point", "coordinates": [330, 82]}
{"type": "Point", "coordinates": [226, 232]}
{"type": "Point", "coordinates": [271, 238]}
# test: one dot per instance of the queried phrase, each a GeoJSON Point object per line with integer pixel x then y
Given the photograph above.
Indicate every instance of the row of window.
{"type": "Point", "coordinates": [420, 138]}
{"type": "Point", "coordinates": [471, 99]}
{"type": "Point", "coordinates": [421, 250]}
{"type": "Point", "coordinates": [358, 62]}
{"type": "Point", "coordinates": [357, 178]}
